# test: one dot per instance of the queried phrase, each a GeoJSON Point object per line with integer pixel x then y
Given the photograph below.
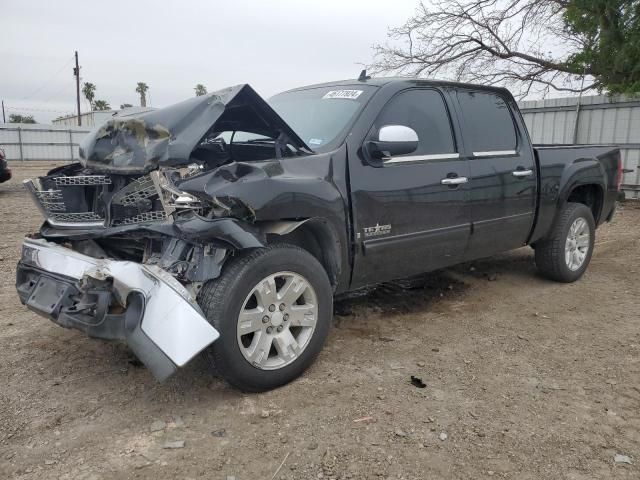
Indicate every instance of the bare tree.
{"type": "Point", "coordinates": [524, 44]}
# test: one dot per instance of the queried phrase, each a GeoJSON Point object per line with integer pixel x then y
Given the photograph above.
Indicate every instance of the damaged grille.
{"type": "Point", "coordinates": [138, 202]}
{"type": "Point", "coordinates": [51, 200]}
{"type": "Point", "coordinates": [140, 189]}
{"type": "Point", "coordinates": [82, 180]}
{"type": "Point", "coordinates": [77, 217]}
{"type": "Point", "coordinates": [77, 201]}
{"type": "Point", "coordinates": [142, 218]}
{"type": "Point", "coordinates": [69, 200]}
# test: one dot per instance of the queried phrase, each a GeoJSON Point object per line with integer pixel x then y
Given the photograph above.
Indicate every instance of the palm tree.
{"type": "Point", "coordinates": [101, 105]}
{"type": "Point", "coordinates": [200, 90]}
{"type": "Point", "coordinates": [142, 89]}
{"type": "Point", "coordinates": [89, 92]}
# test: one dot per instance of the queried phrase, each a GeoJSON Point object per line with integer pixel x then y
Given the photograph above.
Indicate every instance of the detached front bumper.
{"type": "Point", "coordinates": [116, 300]}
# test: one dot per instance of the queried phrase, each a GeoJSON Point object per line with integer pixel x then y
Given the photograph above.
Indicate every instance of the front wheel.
{"type": "Point", "coordinates": [273, 310]}
{"type": "Point", "coordinates": [565, 254]}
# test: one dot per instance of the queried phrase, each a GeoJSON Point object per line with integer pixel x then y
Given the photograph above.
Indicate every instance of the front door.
{"type": "Point", "coordinates": [410, 212]}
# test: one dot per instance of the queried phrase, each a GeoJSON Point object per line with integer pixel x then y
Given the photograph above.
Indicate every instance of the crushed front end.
{"type": "Point", "coordinates": [115, 300]}
{"type": "Point", "coordinates": [109, 261]}
{"type": "Point", "coordinates": [123, 250]}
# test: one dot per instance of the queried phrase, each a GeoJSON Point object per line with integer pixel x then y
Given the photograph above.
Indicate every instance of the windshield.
{"type": "Point", "coordinates": [320, 115]}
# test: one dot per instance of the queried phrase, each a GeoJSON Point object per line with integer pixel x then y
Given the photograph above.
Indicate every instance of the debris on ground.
{"type": "Point", "coordinates": [364, 419]}
{"type": "Point", "coordinates": [219, 433]}
{"type": "Point", "coordinates": [173, 444]}
{"type": "Point", "coordinates": [275, 474]}
{"type": "Point", "coordinates": [618, 458]}
{"type": "Point", "coordinates": [417, 382]}
{"type": "Point", "coordinates": [443, 436]}
{"type": "Point", "coordinates": [157, 426]}
{"type": "Point", "coordinates": [400, 433]}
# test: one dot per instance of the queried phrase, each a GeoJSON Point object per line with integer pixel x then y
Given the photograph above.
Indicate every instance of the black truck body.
{"type": "Point", "coordinates": [376, 179]}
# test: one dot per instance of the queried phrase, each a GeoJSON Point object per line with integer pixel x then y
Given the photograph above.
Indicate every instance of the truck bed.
{"type": "Point", "coordinates": [562, 168]}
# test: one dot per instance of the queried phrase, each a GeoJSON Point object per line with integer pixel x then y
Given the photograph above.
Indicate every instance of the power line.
{"type": "Point", "coordinates": [48, 81]}
{"type": "Point", "coordinates": [37, 110]}
{"type": "Point", "coordinates": [64, 87]}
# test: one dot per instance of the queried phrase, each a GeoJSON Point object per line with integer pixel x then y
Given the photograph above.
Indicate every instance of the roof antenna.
{"type": "Point", "coordinates": [363, 76]}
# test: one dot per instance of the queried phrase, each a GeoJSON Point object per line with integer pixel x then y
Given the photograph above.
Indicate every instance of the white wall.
{"type": "Point", "coordinates": [602, 120]}
{"type": "Point", "coordinates": [22, 141]}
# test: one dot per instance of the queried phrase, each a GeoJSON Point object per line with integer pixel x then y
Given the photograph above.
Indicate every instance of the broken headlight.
{"type": "Point", "coordinates": [173, 199]}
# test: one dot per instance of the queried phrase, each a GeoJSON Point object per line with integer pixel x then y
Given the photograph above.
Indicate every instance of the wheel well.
{"type": "Point", "coordinates": [589, 195]}
{"type": "Point", "coordinates": [319, 239]}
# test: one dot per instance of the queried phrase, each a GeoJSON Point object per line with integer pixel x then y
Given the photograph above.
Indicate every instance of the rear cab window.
{"type": "Point", "coordinates": [490, 128]}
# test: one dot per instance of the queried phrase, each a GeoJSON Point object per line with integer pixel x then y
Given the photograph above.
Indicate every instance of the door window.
{"type": "Point", "coordinates": [426, 113]}
{"type": "Point", "coordinates": [490, 126]}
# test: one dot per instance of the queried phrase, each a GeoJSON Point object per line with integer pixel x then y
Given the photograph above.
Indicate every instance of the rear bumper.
{"type": "Point", "coordinates": [141, 305]}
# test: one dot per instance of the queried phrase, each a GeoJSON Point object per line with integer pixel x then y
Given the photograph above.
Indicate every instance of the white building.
{"type": "Point", "coordinates": [89, 119]}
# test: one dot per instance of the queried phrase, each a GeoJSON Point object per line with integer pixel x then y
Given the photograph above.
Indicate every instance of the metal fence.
{"type": "Point", "coordinates": [596, 119]}
{"type": "Point", "coordinates": [40, 142]}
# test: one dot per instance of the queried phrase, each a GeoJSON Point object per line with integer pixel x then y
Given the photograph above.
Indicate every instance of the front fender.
{"type": "Point", "coordinates": [232, 231]}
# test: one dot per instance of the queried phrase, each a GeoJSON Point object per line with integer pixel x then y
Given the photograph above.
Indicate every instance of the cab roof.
{"type": "Point", "coordinates": [407, 81]}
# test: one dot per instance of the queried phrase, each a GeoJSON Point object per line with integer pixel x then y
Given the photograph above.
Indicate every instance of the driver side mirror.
{"type": "Point", "coordinates": [393, 140]}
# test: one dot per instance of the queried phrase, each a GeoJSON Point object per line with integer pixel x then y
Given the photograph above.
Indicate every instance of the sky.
{"type": "Point", "coordinates": [273, 45]}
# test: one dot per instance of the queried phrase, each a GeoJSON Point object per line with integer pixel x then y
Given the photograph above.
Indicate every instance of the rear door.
{"type": "Point", "coordinates": [409, 216]}
{"type": "Point", "coordinates": [503, 183]}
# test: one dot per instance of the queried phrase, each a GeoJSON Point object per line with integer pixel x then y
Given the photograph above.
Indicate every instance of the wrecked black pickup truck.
{"type": "Point", "coordinates": [227, 224]}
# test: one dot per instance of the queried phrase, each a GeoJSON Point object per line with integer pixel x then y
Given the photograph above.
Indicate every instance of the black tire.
{"type": "Point", "coordinates": [221, 300]}
{"type": "Point", "coordinates": [550, 252]}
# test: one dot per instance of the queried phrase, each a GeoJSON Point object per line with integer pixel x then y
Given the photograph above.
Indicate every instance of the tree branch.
{"type": "Point", "coordinates": [523, 44]}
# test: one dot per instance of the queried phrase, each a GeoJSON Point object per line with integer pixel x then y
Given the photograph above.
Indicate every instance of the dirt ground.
{"type": "Point", "coordinates": [525, 379]}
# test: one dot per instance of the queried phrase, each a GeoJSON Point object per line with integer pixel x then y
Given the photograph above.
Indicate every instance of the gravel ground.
{"type": "Point", "coordinates": [525, 379]}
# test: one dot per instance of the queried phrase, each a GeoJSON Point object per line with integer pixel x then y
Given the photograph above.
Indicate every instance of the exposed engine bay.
{"type": "Point", "coordinates": [143, 176]}
{"type": "Point", "coordinates": [159, 201]}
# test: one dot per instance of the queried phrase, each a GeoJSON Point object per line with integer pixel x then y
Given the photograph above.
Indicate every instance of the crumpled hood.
{"type": "Point", "coordinates": [139, 142]}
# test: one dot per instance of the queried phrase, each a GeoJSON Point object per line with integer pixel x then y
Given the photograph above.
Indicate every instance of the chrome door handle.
{"type": "Point", "coordinates": [522, 173]}
{"type": "Point", "coordinates": [454, 181]}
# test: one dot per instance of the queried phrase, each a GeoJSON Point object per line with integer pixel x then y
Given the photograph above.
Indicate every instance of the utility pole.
{"type": "Point", "coordinates": [4, 120]}
{"type": "Point", "coordinates": [76, 72]}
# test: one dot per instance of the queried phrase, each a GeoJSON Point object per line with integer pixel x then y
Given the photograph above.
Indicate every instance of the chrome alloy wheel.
{"type": "Point", "coordinates": [277, 320]}
{"type": "Point", "coordinates": [576, 246]}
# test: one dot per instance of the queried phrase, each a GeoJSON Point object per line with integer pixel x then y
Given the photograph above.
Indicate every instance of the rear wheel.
{"type": "Point", "coordinates": [565, 254]}
{"type": "Point", "coordinates": [273, 309]}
